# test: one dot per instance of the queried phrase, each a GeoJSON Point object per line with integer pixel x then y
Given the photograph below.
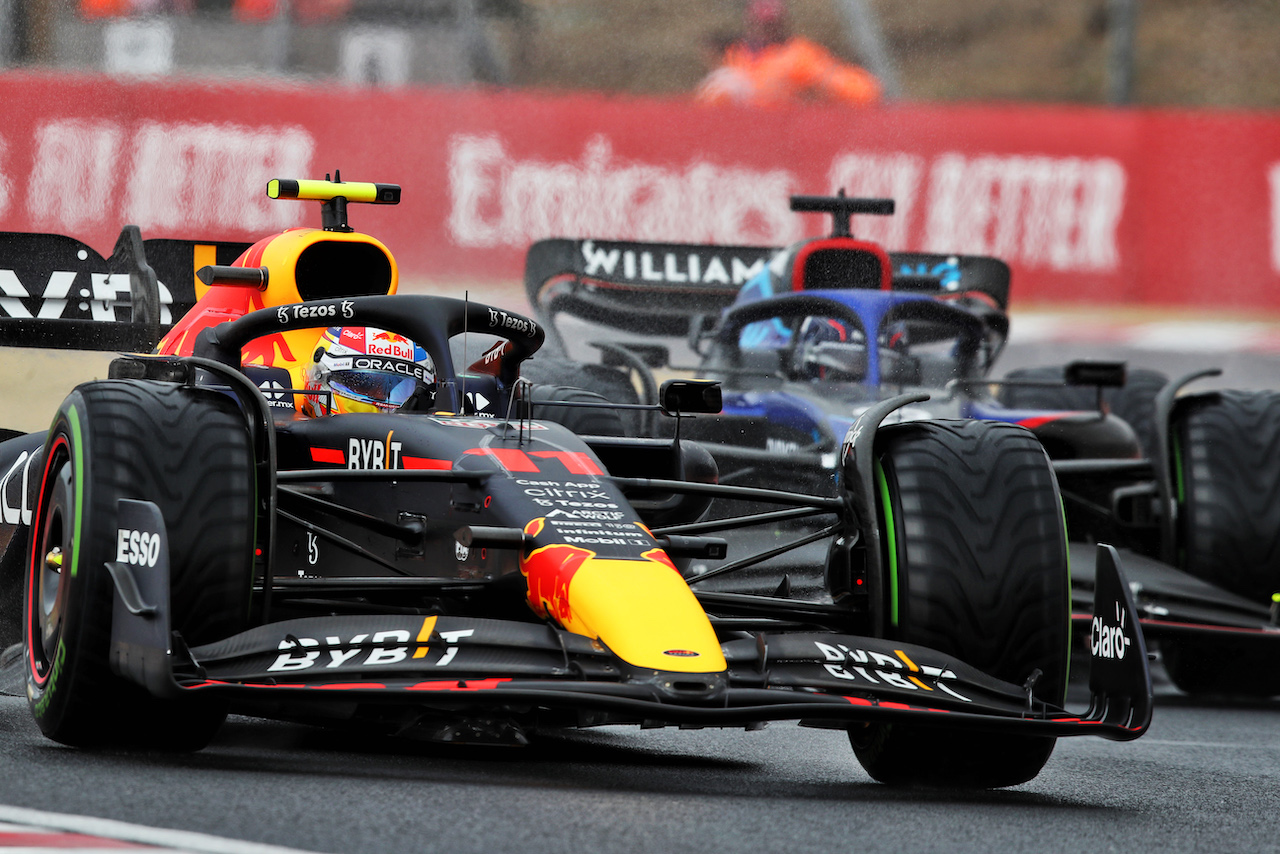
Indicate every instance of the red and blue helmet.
{"type": "Point", "coordinates": [364, 369]}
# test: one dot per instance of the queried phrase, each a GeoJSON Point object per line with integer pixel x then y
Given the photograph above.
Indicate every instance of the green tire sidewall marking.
{"type": "Point", "coordinates": [73, 419]}
{"type": "Point", "coordinates": [891, 534]}
{"type": "Point", "coordinates": [55, 670]}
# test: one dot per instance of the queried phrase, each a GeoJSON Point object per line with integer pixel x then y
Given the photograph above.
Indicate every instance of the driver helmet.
{"type": "Point", "coordinates": [363, 369]}
{"type": "Point", "coordinates": [821, 330]}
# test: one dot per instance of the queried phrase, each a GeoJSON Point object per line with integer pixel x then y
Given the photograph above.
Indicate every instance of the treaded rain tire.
{"type": "Point", "coordinates": [1134, 401]}
{"type": "Point", "coordinates": [584, 421]}
{"type": "Point", "coordinates": [611, 384]}
{"type": "Point", "coordinates": [188, 451]}
{"type": "Point", "coordinates": [1226, 464]}
{"type": "Point", "coordinates": [1226, 448]}
{"type": "Point", "coordinates": [980, 571]}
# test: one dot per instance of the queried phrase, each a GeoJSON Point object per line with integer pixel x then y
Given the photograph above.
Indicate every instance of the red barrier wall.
{"type": "Point", "coordinates": [1088, 205]}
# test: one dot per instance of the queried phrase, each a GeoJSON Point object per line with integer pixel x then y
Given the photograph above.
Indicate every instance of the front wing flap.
{"type": "Point", "coordinates": [1172, 603]}
{"type": "Point", "coordinates": [449, 663]}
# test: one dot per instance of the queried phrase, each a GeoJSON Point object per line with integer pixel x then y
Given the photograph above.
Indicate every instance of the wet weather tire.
{"type": "Point", "coordinates": [582, 420]}
{"type": "Point", "coordinates": [610, 384]}
{"type": "Point", "coordinates": [186, 450]}
{"type": "Point", "coordinates": [1134, 401]}
{"type": "Point", "coordinates": [1226, 465]}
{"type": "Point", "coordinates": [978, 571]}
{"type": "Point", "coordinates": [1226, 448]}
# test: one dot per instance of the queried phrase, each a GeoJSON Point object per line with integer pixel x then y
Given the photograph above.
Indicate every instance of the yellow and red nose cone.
{"type": "Point", "coordinates": [640, 608]}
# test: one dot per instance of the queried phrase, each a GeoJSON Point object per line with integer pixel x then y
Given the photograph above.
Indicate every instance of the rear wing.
{"type": "Point", "coordinates": [658, 288]}
{"type": "Point", "coordinates": [649, 288]}
{"type": "Point", "coordinates": [60, 293]}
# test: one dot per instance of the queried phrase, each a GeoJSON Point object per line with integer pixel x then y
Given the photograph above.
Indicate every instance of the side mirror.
{"type": "Point", "coordinates": [682, 397]}
{"type": "Point", "coordinates": [1101, 374]}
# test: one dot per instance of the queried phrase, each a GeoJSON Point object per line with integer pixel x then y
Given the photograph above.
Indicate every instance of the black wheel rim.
{"type": "Point", "coordinates": [51, 549]}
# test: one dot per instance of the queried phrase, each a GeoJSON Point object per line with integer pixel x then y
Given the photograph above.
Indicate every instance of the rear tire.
{"type": "Point", "coordinates": [1226, 448]}
{"type": "Point", "coordinates": [186, 450]}
{"type": "Point", "coordinates": [1134, 402]}
{"type": "Point", "coordinates": [609, 383]}
{"type": "Point", "coordinates": [980, 563]}
{"type": "Point", "coordinates": [1226, 464]}
{"type": "Point", "coordinates": [584, 421]}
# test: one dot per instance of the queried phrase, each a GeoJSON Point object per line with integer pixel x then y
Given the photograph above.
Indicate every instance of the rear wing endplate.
{"type": "Point", "coordinates": [58, 292]}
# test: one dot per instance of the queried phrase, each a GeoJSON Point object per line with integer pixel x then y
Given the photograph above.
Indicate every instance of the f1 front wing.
{"type": "Point", "coordinates": [464, 664]}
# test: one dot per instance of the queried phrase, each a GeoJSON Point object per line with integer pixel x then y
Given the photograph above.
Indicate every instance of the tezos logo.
{"type": "Point", "coordinates": [501, 320]}
{"type": "Point", "coordinates": [1109, 641]}
{"type": "Point", "coordinates": [138, 548]}
{"type": "Point", "coordinates": [285, 313]}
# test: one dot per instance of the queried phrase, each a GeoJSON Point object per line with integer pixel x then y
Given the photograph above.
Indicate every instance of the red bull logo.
{"type": "Point", "coordinates": [390, 344]}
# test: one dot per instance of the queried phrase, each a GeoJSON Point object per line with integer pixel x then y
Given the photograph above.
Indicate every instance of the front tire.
{"type": "Point", "coordinates": [978, 571]}
{"type": "Point", "coordinates": [186, 450]}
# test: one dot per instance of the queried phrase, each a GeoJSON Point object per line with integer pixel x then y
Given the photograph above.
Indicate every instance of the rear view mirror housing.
{"type": "Point", "coordinates": [684, 397]}
{"type": "Point", "coordinates": [1100, 374]}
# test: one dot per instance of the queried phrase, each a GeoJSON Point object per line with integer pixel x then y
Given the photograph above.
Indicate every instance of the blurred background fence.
{"type": "Point", "coordinates": [1183, 53]}
{"type": "Point", "coordinates": [512, 120]}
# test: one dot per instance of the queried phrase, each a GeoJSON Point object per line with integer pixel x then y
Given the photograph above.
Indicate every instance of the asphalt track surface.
{"type": "Point", "coordinates": [1205, 777]}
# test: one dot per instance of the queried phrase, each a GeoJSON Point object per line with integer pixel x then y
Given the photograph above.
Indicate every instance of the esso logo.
{"type": "Point", "coordinates": [138, 548]}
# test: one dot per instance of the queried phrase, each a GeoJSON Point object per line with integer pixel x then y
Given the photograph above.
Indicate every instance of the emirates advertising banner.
{"type": "Point", "coordinates": [1087, 205]}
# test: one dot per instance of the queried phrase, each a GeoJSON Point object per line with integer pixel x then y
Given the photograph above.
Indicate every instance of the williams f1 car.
{"type": "Point", "coordinates": [807, 338]}
{"type": "Point", "coordinates": [209, 530]}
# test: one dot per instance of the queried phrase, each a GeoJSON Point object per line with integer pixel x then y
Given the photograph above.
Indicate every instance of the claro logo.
{"type": "Point", "coordinates": [1109, 641]}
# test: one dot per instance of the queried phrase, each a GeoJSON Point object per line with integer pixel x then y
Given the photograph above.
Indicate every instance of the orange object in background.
{"type": "Point", "coordinates": [304, 11]}
{"type": "Point", "coordinates": [315, 11]}
{"type": "Point", "coordinates": [768, 66]}
{"type": "Point", "coordinates": [105, 8]}
{"type": "Point", "coordinates": [785, 72]}
{"type": "Point", "coordinates": [254, 11]}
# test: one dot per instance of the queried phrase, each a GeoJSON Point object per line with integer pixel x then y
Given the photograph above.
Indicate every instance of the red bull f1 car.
{"type": "Point", "coordinates": [299, 505]}
{"type": "Point", "coordinates": [805, 339]}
